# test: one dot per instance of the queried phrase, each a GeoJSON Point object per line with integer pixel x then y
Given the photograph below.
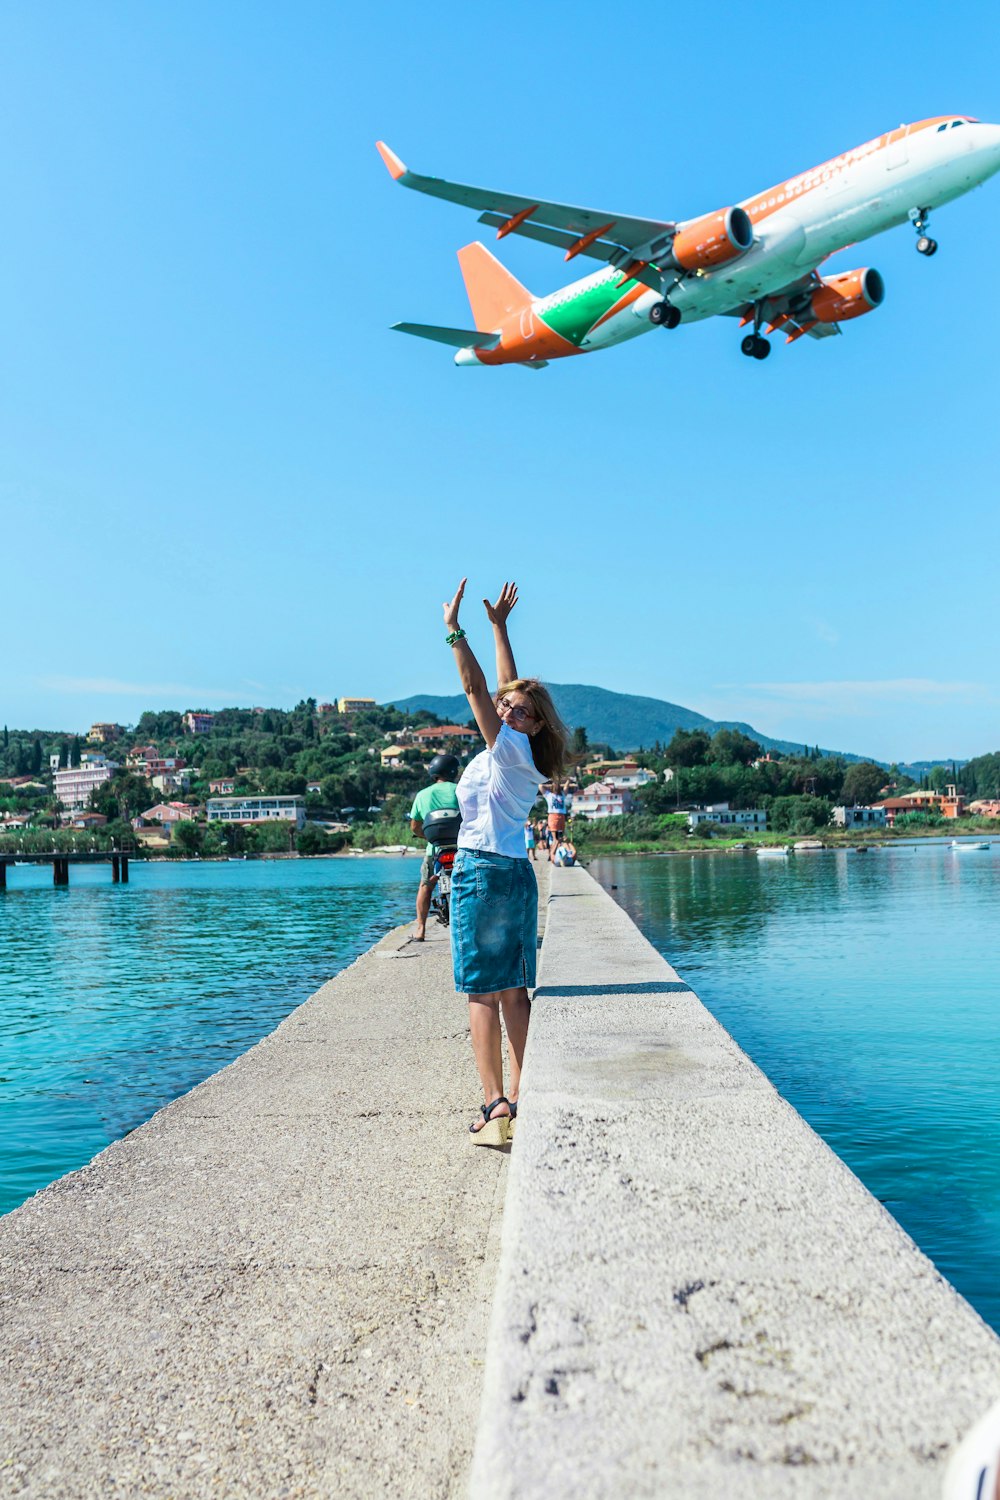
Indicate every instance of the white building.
{"type": "Point", "coordinates": [859, 817]}
{"type": "Point", "coordinates": [257, 809]}
{"type": "Point", "coordinates": [602, 800]}
{"type": "Point", "coordinates": [171, 781]}
{"type": "Point", "coordinates": [73, 787]}
{"type": "Point", "coordinates": [751, 819]}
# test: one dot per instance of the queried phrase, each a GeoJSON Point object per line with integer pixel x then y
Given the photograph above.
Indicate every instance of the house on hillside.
{"type": "Point", "coordinates": [602, 799]}
{"type": "Point", "coordinates": [198, 723]}
{"type": "Point", "coordinates": [947, 804]}
{"type": "Point", "coordinates": [257, 810]}
{"type": "Point", "coordinates": [166, 813]}
{"type": "Point", "coordinates": [625, 773]}
{"type": "Point", "coordinates": [439, 734]}
{"type": "Point", "coordinates": [74, 785]}
{"type": "Point", "coordinates": [859, 817]}
{"type": "Point", "coordinates": [749, 819]}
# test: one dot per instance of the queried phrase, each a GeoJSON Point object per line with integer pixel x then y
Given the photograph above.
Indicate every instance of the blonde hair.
{"type": "Point", "coordinates": [550, 744]}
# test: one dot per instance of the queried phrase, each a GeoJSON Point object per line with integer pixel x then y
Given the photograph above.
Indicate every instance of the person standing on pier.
{"type": "Point", "coordinates": [440, 794]}
{"type": "Point", "coordinates": [494, 896]}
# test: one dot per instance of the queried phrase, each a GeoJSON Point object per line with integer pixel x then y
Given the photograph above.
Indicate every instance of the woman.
{"type": "Point", "coordinates": [529, 838]}
{"type": "Point", "coordinates": [494, 898]}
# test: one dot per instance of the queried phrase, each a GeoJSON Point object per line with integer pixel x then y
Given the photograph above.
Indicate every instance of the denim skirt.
{"type": "Point", "coordinates": [494, 922]}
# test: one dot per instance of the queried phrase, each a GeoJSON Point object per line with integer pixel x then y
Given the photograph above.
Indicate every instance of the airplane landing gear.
{"type": "Point", "coordinates": [664, 315]}
{"type": "Point", "coordinates": [919, 218]}
{"type": "Point", "coordinates": [755, 346]}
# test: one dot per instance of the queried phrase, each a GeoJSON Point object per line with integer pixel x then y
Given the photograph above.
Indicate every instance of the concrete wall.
{"type": "Point", "coordinates": [695, 1295]}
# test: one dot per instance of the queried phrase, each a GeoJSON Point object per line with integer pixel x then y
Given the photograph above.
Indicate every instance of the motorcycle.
{"type": "Point", "coordinates": [441, 830]}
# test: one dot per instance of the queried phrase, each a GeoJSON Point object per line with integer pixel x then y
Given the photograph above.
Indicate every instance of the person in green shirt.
{"type": "Point", "coordinates": [441, 793]}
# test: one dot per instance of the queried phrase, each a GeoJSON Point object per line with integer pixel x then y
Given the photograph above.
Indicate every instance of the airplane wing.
{"type": "Point", "coordinates": [787, 311]}
{"type": "Point", "coordinates": [617, 239]}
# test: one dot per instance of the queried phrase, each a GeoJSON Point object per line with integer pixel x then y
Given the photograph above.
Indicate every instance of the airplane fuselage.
{"type": "Point", "coordinates": [796, 225]}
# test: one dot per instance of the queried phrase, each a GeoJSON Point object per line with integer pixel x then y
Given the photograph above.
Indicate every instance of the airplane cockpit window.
{"type": "Point", "coordinates": [942, 127]}
{"type": "Point", "coordinates": [956, 122]}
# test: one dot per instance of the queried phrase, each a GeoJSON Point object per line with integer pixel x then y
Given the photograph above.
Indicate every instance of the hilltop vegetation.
{"type": "Point", "coordinates": [623, 719]}
{"type": "Point", "coordinates": [267, 751]}
{"type": "Point", "coordinates": [334, 761]}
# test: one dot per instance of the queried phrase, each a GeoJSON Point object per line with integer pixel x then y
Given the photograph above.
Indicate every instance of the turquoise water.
{"type": "Point", "coordinates": [117, 998]}
{"type": "Point", "coordinates": [867, 988]}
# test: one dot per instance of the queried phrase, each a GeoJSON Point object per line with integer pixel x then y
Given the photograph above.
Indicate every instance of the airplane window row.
{"type": "Point", "coordinates": [949, 124]}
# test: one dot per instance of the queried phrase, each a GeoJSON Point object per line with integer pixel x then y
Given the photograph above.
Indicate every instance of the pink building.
{"type": "Point", "coordinates": [198, 723]}
{"type": "Point", "coordinates": [73, 787]}
{"type": "Point", "coordinates": [166, 813]}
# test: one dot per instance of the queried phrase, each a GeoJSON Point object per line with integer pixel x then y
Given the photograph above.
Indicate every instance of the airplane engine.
{"type": "Point", "coordinates": [847, 296]}
{"type": "Point", "coordinates": [713, 239]}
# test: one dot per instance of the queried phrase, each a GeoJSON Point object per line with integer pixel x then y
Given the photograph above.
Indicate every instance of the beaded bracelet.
{"type": "Point", "coordinates": [456, 635]}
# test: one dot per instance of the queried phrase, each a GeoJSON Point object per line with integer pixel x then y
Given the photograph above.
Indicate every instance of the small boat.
{"type": "Point", "coordinates": [772, 851]}
{"type": "Point", "coordinates": [961, 844]}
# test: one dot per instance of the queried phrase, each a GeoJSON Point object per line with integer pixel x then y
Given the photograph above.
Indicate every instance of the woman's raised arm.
{"type": "Point", "coordinates": [474, 683]}
{"type": "Point", "coordinates": [498, 612]}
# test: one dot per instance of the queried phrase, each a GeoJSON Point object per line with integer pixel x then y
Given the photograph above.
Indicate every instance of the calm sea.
{"type": "Point", "coordinates": [117, 998]}
{"type": "Point", "coordinates": [867, 988]}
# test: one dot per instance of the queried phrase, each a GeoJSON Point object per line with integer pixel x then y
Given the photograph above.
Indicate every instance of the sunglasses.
{"type": "Point", "coordinates": [515, 710]}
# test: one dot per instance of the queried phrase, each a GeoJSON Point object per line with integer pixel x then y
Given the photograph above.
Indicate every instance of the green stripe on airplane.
{"type": "Point", "coordinates": [573, 318]}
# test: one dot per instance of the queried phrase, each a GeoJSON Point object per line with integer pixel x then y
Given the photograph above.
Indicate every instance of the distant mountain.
{"type": "Point", "coordinates": [619, 719]}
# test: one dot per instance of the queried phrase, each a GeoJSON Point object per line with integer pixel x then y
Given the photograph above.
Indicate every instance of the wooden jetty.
{"type": "Point", "coordinates": [60, 863]}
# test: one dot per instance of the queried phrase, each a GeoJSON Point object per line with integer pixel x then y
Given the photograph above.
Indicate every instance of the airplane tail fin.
{"type": "Point", "coordinates": [492, 291]}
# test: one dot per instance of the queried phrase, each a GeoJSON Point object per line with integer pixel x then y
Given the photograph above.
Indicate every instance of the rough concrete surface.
{"type": "Point", "coordinates": [280, 1285]}
{"type": "Point", "coordinates": [696, 1297]}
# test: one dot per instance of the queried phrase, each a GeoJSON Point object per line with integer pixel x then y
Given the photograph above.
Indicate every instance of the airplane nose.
{"type": "Point", "coordinates": [988, 145]}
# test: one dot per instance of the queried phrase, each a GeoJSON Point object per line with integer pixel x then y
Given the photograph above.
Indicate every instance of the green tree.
{"type": "Point", "coordinates": [579, 743]}
{"type": "Point", "coordinates": [689, 747]}
{"type": "Point", "coordinates": [863, 781]}
{"type": "Point", "coordinates": [730, 747]}
{"type": "Point", "coordinates": [187, 838]}
{"type": "Point", "coordinates": [312, 839]}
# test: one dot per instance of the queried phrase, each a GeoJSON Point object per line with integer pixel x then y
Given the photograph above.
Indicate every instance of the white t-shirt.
{"type": "Point", "coordinates": [496, 794]}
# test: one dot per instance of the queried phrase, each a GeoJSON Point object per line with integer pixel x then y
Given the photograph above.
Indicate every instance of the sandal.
{"type": "Point", "coordinates": [513, 1117]}
{"type": "Point", "coordinates": [492, 1132]}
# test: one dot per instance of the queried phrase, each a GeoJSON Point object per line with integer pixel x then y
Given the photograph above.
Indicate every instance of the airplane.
{"type": "Point", "coordinates": [756, 260]}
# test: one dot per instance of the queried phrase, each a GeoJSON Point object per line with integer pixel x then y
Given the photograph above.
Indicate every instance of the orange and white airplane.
{"type": "Point", "coordinates": [756, 260]}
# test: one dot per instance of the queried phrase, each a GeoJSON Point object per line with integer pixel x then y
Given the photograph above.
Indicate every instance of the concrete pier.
{"type": "Point", "coordinates": [696, 1297]}
{"type": "Point", "coordinates": [281, 1285]}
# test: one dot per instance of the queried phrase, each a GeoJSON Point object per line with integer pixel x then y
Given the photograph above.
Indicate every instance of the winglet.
{"type": "Point", "coordinates": [392, 161]}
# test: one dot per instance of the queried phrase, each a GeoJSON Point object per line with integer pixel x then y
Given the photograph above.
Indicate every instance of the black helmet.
{"type": "Point", "coordinates": [444, 767]}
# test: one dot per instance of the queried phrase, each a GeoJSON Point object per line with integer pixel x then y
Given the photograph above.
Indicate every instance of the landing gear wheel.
{"type": "Point", "coordinates": [663, 315]}
{"type": "Point", "coordinates": [926, 246]}
{"type": "Point", "coordinates": [755, 347]}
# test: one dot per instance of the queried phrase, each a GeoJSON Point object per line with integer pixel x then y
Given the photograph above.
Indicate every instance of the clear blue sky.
{"type": "Point", "coordinates": [224, 480]}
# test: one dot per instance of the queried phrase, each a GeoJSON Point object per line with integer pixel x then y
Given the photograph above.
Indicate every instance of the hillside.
{"type": "Point", "coordinates": [620, 719]}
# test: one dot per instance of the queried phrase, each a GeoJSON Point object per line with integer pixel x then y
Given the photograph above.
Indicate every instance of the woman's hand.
{"type": "Point", "coordinates": [499, 611]}
{"type": "Point", "coordinates": [451, 610]}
